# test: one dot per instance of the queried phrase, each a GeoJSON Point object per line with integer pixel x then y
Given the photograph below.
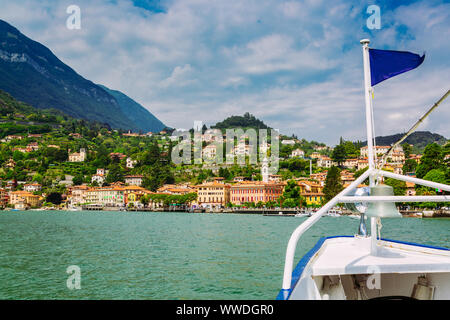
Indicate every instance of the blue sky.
{"type": "Point", "coordinates": [297, 65]}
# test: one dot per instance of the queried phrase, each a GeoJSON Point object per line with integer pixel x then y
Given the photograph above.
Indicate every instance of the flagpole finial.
{"type": "Point", "coordinates": [364, 41]}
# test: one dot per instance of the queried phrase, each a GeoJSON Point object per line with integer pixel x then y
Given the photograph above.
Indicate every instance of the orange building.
{"type": "Point", "coordinates": [255, 191]}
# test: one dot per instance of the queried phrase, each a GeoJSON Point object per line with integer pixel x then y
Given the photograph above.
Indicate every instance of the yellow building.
{"type": "Point", "coordinates": [213, 194]}
{"type": "Point", "coordinates": [312, 192]}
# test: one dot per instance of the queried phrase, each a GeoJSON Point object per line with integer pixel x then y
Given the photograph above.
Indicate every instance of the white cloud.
{"type": "Point", "coordinates": [179, 77]}
{"type": "Point", "coordinates": [295, 64]}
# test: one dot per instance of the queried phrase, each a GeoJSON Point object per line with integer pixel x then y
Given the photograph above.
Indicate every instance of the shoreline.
{"type": "Point", "coordinates": [426, 214]}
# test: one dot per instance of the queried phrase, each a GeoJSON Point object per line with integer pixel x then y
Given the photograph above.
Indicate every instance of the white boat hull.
{"type": "Point", "coordinates": [342, 268]}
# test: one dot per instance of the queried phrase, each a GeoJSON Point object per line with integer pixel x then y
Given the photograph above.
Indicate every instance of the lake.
{"type": "Point", "coordinates": [133, 255]}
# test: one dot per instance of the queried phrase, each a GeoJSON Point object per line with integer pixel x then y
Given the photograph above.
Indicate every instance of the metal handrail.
{"type": "Point", "coordinates": [342, 198]}
{"type": "Point", "coordinates": [292, 244]}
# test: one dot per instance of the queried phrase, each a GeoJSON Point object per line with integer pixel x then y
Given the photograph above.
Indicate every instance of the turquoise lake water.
{"type": "Point", "coordinates": [132, 255]}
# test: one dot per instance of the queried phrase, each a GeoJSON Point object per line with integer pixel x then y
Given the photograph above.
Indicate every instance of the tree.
{"type": "Point", "coordinates": [410, 165]}
{"type": "Point", "coordinates": [38, 178]}
{"type": "Point", "coordinates": [350, 149]}
{"type": "Point", "coordinates": [78, 179]}
{"type": "Point", "coordinates": [333, 183]}
{"type": "Point", "coordinates": [398, 186]}
{"type": "Point", "coordinates": [407, 149]}
{"type": "Point", "coordinates": [291, 195]}
{"type": "Point", "coordinates": [432, 159]}
{"type": "Point", "coordinates": [436, 175]}
{"type": "Point", "coordinates": [115, 174]}
{"type": "Point", "coordinates": [145, 200]}
{"type": "Point", "coordinates": [339, 155]}
{"type": "Point", "coordinates": [54, 197]}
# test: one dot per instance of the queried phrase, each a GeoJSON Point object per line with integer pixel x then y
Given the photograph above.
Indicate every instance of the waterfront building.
{"type": "Point", "coordinates": [255, 191]}
{"type": "Point", "coordinates": [213, 195]}
{"type": "Point", "coordinates": [77, 195]}
{"type": "Point", "coordinates": [133, 195]}
{"type": "Point", "coordinates": [178, 189]}
{"type": "Point", "coordinates": [24, 199]}
{"type": "Point", "coordinates": [111, 196]}
{"type": "Point", "coordinates": [4, 198]}
{"type": "Point", "coordinates": [312, 192]}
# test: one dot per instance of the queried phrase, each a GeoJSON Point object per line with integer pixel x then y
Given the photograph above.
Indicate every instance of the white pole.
{"type": "Point", "coordinates": [369, 125]}
{"type": "Point", "coordinates": [346, 199]}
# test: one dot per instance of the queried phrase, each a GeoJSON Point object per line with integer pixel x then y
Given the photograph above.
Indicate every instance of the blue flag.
{"type": "Point", "coordinates": [385, 64]}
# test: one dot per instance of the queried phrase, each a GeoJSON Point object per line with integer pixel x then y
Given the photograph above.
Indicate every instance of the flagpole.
{"type": "Point", "coordinates": [369, 126]}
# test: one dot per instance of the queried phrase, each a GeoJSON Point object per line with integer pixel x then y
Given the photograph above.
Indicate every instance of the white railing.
{"type": "Point", "coordinates": [343, 198]}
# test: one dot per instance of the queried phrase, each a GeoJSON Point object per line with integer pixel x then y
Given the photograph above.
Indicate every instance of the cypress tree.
{"type": "Point", "coordinates": [333, 183]}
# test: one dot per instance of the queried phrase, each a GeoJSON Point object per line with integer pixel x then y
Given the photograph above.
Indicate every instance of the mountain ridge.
{"type": "Point", "coordinates": [419, 139]}
{"type": "Point", "coordinates": [33, 74]}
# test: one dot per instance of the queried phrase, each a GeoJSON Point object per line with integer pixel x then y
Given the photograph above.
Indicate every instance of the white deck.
{"type": "Point", "coordinates": [340, 256]}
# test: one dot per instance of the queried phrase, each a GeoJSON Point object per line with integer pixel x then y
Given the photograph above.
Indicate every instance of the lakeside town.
{"type": "Point", "coordinates": [49, 160]}
{"type": "Point", "coordinates": [306, 179]}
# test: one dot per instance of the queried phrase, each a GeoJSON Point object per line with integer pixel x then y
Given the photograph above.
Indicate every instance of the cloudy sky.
{"type": "Point", "coordinates": [297, 65]}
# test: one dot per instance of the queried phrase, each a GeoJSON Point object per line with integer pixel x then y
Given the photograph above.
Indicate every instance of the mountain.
{"type": "Point", "coordinates": [418, 139]}
{"type": "Point", "coordinates": [246, 121]}
{"type": "Point", "coordinates": [137, 113]}
{"type": "Point", "coordinates": [30, 72]}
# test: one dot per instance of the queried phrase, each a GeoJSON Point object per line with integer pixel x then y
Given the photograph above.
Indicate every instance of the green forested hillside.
{"type": "Point", "coordinates": [419, 140]}
{"type": "Point", "coordinates": [246, 121]}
